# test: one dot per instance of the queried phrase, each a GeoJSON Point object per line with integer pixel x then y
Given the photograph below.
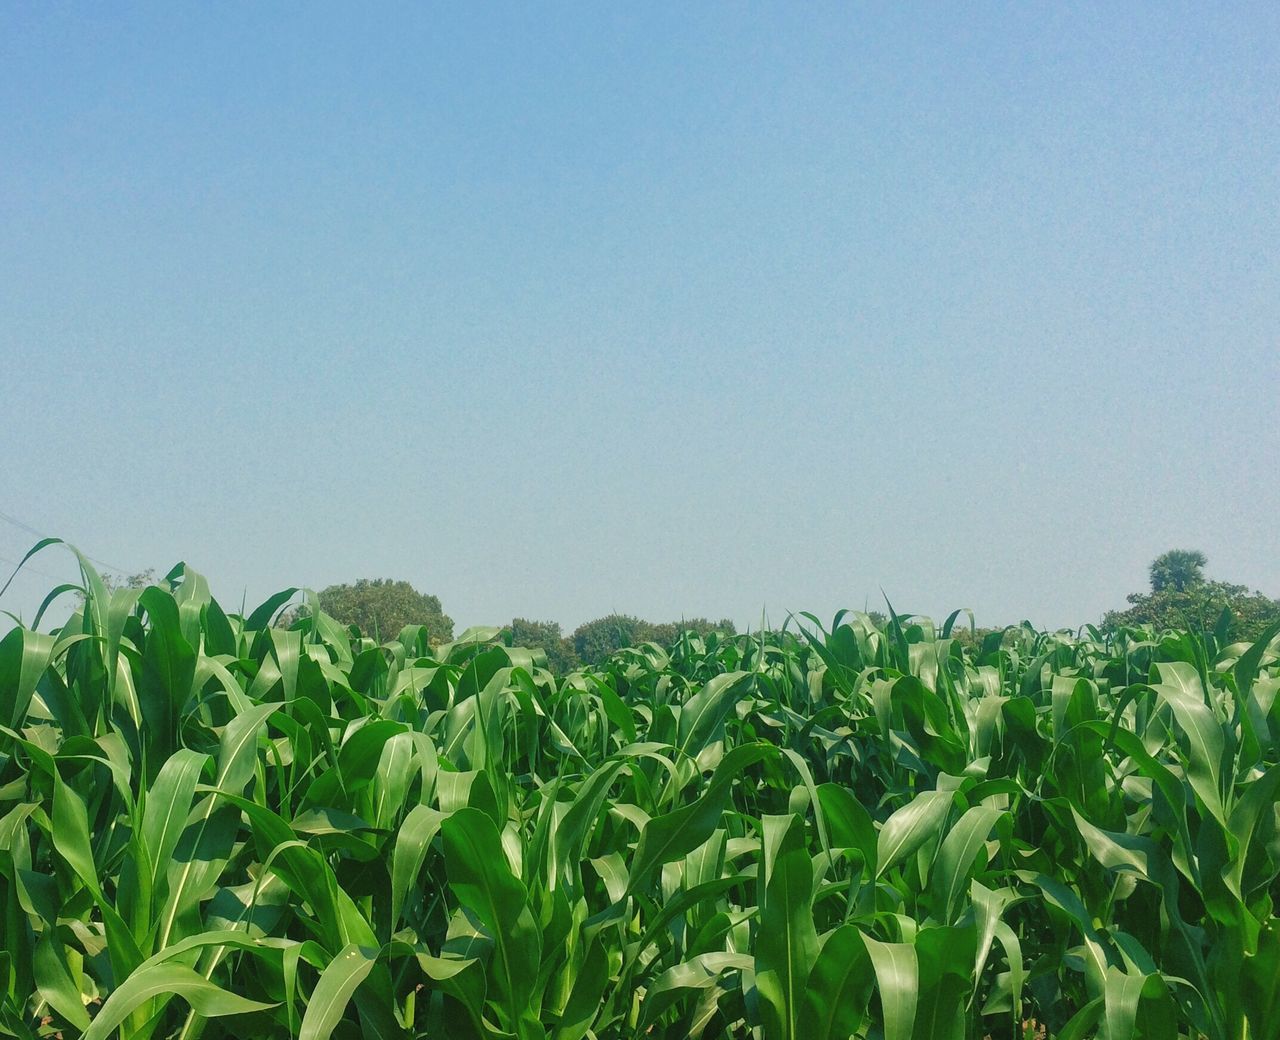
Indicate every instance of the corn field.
{"type": "Point", "coordinates": [210, 826]}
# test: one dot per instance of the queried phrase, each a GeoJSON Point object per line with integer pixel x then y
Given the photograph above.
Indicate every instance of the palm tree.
{"type": "Point", "coordinates": [1177, 569]}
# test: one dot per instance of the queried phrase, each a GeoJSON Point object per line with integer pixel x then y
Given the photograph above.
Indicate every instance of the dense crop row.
{"type": "Point", "coordinates": [210, 826]}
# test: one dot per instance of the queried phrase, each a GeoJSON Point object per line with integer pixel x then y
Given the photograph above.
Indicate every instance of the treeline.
{"type": "Point", "coordinates": [1180, 597]}
{"type": "Point", "coordinates": [382, 607]}
{"type": "Point", "coordinates": [594, 641]}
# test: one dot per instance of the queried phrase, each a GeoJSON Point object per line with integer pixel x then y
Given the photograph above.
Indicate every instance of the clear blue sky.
{"type": "Point", "coordinates": [555, 310]}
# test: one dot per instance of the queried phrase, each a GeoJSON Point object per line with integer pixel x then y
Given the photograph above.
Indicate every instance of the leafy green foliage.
{"type": "Point", "coordinates": [214, 827]}
{"type": "Point", "coordinates": [547, 637]}
{"type": "Point", "coordinates": [111, 582]}
{"type": "Point", "coordinates": [595, 641]}
{"type": "Point", "coordinates": [1200, 607]}
{"type": "Point", "coordinates": [1181, 598]}
{"type": "Point", "coordinates": [381, 607]}
{"type": "Point", "coordinates": [1177, 570]}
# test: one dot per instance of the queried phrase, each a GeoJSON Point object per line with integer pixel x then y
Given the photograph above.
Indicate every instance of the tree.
{"type": "Point", "coordinates": [668, 632]}
{"type": "Point", "coordinates": [593, 641]}
{"type": "Point", "coordinates": [381, 608]}
{"type": "Point", "coordinates": [111, 582]}
{"type": "Point", "coordinates": [133, 581]}
{"type": "Point", "coordinates": [1181, 597]}
{"type": "Point", "coordinates": [1178, 569]}
{"type": "Point", "coordinates": [596, 640]}
{"type": "Point", "coordinates": [547, 636]}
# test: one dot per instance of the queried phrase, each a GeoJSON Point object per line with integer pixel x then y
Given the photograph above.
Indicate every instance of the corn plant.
{"type": "Point", "coordinates": [211, 826]}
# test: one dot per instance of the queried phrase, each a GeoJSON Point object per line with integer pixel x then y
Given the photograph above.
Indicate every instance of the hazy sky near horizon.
{"type": "Point", "coordinates": [561, 309]}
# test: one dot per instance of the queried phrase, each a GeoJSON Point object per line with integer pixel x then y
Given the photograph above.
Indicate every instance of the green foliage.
{"type": "Point", "coordinates": [594, 641]}
{"type": "Point", "coordinates": [213, 827]}
{"type": "Point", "coordinates": [111, 582]}
{"type": "Point", "coordinates": [1181, 598]}
{"type": "Point", "coordinates": [1177, 570]}
{"type": "Point", "coordinates": [381, 608]}
{"type": "Point", "coordinates": [547, 637]}
{"type": "Point", "coordinates": [1200, 607]}
{"type": "Point", "coordinates": [669, 631]}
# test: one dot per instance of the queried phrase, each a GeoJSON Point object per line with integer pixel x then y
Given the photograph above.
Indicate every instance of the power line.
{"type": "Point", "coordinates": [41, 535]}
{"type": "Point", "coordinates": [29, 569]}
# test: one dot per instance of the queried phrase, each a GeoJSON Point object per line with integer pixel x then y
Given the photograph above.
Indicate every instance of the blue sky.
{"type": "Point", "coordinates": [673, 310]}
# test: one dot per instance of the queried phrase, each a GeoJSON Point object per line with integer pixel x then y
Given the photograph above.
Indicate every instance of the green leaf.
{"type": "Point", "coordinates": [704, 712]}
{"type": "Point", "coordinates": [24, 656]}
{"type": "Point", "coordinates": [333, 992]}
{"type": "Point", "coordinates": [839, 987]}
{"type": "Point", "coordinates": [957, 854]}
{"type": "Point", "coordinates": [679, 832]}
{"type": "Point", "coordinates": [910, 827]}
{"type": "Point", "coordinates": [481, 878]}
{"type": "Point", "coordinates": [162, 982]}
{"type": "Point", "coordinates": [787, 944]}
{"type": "Point", "coordinates": [1261, 991]}
{"type": "Point", "coordinates": [1181, 689]}
{"type": "Point", "coordinates": [414, 839]}
{"type": "Point", "coordinates": [898, 980]}
{"type": "Point", "coordinates": [584, 1002]}
{"type": "Point", "coordinates": [53, 979]}
{"type": "Point", "coordinates": [168, 804]}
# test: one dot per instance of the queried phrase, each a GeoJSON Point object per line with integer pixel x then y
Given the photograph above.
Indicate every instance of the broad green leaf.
{"type": "Point", "coordinates": [1261, 990]}
{"type": "Point", "coordinates": [163, 982]}
{"type": "Point", "coordinates": [839, 987]}
{"type": "Point", "coordinates": [958, 852]}
{"type": "Point", "coordinates": [167, 807]}
{"type": "Point", "coordinates": [1182, 690]}
{"type": "Point", "coordinates": [584, 1002]}
{"type": "Point", "coordinates": [787, 945]}
{"type": "Point", "coordinates": [333, 992]}
{"type": "Point", "coordinates": [910, 827]}
{"type": "Point", "coordinates": [898, 981]}
{"type": "Point", "coordinates": [682, 830]}
{"type": "Point", "coordinates": [482, 880]}
{"type": "Point", "coordinates": [412, 842]}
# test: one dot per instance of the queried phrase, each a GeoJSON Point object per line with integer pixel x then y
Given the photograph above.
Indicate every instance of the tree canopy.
{"type": "Point", "coordinates": [596, 640]}
{"type": "Point", "coordinates": [381, 607]}
{"type": "Point", "coordinates": [1178, 570]}
{"type": "Point", "coordinates": [593, 641]}
{"type": "Point", "coordinates": [546, 636]}
{"type": "Point", "coordinates": [1181, 597]}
